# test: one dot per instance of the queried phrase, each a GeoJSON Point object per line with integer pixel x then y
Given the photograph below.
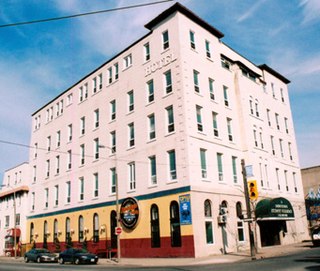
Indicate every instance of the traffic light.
{"type": "Point", "coordinates": [253, 189]}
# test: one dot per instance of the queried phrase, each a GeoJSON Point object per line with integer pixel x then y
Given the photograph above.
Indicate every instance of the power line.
{"type": "Point", "coordinates": [83, 14]}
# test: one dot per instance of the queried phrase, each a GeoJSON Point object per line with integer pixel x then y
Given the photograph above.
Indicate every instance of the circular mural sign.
{"type": "Point", "coordinates": [129, 213]}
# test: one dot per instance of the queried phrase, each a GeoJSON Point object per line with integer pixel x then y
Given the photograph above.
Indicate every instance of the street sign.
{"type": "Point", "coordinates": [118, 230]}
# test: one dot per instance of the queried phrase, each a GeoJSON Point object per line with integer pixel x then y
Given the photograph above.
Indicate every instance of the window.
{"type": "Point", "coordinates": [172, 165]}
{"type": "Point", "coordinates": [116, 71]}
{"type": "Point", "coordinates": [130, 101]}
{"type": "Point", "coordinates": [96, 118]}
{"type": "Point", "coordinates": [110, 75]}
{"type": "Point", "coordinates": [68, 192]}
{"type": "Point", "coordinates": [203, 163]}
{"type": "Point", "coordinates": [81, 188]}
{"type": "Point", "coordinates": [80, 229]}
{"type": "Point", "coordinates": [278, 180]}
{"type": "Point", "coordinates": [69, 132]}
{"type": "Point", "coordinates": [131, 134]}
{"type": "Point", "coordinates": [257, 108]}
{"type": "Point", "coordinates": [220, 171]}
{"type": "Point", "coordinates": [153, 170]}
{"type": "Point", "coordinates": [94, 85]}
{"type": "Point", "coordinates": [57, 164]}
{"type": "Point", "coordinates": [170, 119]}
{"type": "Point", "coordinates": [152, 129]}
{"type": "Point", "coordinates": [150, 90]}
{"type": "Point", "coordinates": [266, 172]}
{"type": "Point", "coordinates": [48, 168]}
{"type": "Point", "coordinates": [290, 151]}
{"type": "Point", "coordinates": [261, 175]}
{"type": "Point", "coordinates": [146, 52]}
{"type": "Point", "coordinates": [286, 125]}
{"type": "Point", "coordinates": [277, 121]}
{"type": "Point", "coordinates": [7, 221]}
{"type": "Point", "coordinates": [255, 138]}
{"type": "Point", "coordinates": [155, 226]}
{"type": "Point", "coordinates": [229, 126]}
{"type": "Point", "coordinates": [35, 153]}
{"type": "Point", "coordinates": [56, 195]}
{"type": "Point", "coordinates": [82, 126]}
{"type": "Point", "coordinates": [34, 174]}
{"type": "Point", "coordinates": [240, 225]}
{"type": "Point", "coordinates": [261, 139]}
{"type": "Point", "coordinates": [281, 94]}
{"type": "Point", "coordinates": [95, 228]}
{"type": "Point", "coordinates": [208, 52]}
{"type": "Point", "coordinates": [113, 141]}
{"type": "Point", "coordinates": [69, 159]}
{"type": "Point", "coordinates": [225, 63]}
{"type": "Point", "coordinates": [175, 230]}
{"type": "Point", "coordinates": [215, 124]}
{"type": "Point", "coordinates": [46, 197]}
{"type": "Point", "coordinates": [294, 182]}
{"type": "Point", "coordinates": [132, 176]}
{"type": "Point", "coordinates": [272, 145]}
{"type": "Point", "coordinates": [286, 179]}
{"type": "Point", "coordinates": [281, 147]}
{"type": "Point", "coordinates": [208, 222]}
{"type": "Point", "coordinates": [55, 231]}
{"type": "Point", "coordinates": [225, 96]}
{"type": "Point", "coordinates": [95, 185]}
{"type": "Point", "coordinates": [268, 117]}
{"type": "Point", "coordinates": [165, 40]}
{"type": "Point", "coordinates": [273, 91]}
{"type": "Point", "coordinates": [58, 139]}
{"type": "Point", "coordinates": [196, 81]}
{"type": "Point", "coordinates": [113, 180]}
{"type": "Point", "coordinates": [113, 110]}
{"type": "Point", "coordinates": [251, 107]}
{"type": "Point", "coordinates": [100, 80]}
{"type": "Point", "coordinates": [68, 233]}
{"type": "Point", "coordinates": [33, 197]}
{"type": "Point", "coordinates": [82, 154]}
{"type": "Point", "coordinates": [192, 40]}
{"type": "Point", "coordinates": [234, 169]}
{"type": "Point", "coordinates": [211, 89]}
{"type": "Point", "coordinates": [96, 148]}
{"type": "Point", "coordinates": [199, 118]}
{"type": "Point", "coordinates": [48, 143]}
{"type": "Point", "coordinates": [127, 61]}
{"type": "Point", "coordinates": [168, 81]}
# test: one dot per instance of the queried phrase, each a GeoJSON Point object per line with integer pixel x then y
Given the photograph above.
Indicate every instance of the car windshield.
{"type": "Point", "coordinates": [43, 251]}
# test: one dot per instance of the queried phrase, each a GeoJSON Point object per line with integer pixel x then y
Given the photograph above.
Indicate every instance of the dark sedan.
{"type": "Point", "coordinates": [75, 255]}
{"type": "Point", "coordinates": [40, 255]}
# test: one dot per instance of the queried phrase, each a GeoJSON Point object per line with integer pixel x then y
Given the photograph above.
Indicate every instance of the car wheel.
{"type": "Point", "coordinates": [26, 260]}
{"type": "Point", "coordinates": [61, 261]}
{"type": "Point", "coordinates": [38, 260]}
{"type": "Point", "coordinates": [77, 261]}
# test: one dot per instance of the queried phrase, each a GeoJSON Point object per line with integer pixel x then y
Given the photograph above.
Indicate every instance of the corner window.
{"type": "Point", "coordinates": [192, 40]}
{"type": "Point", "coordinates": [165, 40]}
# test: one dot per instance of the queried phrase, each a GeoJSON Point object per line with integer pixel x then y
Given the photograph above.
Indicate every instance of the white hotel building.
{"type": "Point", "coordinates": [169, 119]}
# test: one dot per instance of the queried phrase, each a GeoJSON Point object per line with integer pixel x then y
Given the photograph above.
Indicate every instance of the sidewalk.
{"type": "Point", "coordinates": [266, 252]}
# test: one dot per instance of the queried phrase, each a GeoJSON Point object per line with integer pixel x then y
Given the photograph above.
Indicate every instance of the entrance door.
{"type": "Point", "coordinates": [113, 222]}
{"type": "Point", "coordinates": [270, 232]}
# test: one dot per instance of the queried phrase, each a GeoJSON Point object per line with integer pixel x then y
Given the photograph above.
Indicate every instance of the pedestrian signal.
{"type": "Point", "coordinates": [253, 190]}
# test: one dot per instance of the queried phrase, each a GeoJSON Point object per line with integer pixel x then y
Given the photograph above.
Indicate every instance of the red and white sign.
{"type": "Point", "coordinates": [118, 230]}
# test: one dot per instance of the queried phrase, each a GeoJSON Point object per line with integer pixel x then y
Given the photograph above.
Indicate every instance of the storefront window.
{"type": "Point", "coordinates": [208, 222]}
{"type": "Point", "coordinates": [95, 228]}
{"type": "Point", "coordinates": [155, 226]}
{"type": "Point", "coordinates": [175, 224]}
{"type": "Point", "coordinates": [45, 233]}
{"type": "Point", "coordinates": [240, 225]}
{"type": "Point", "coordinates": [113, 225]}
{"type": "Point", "coordinates": [31, 232]}
{"type": "Point", "coordinates": [80, 229]}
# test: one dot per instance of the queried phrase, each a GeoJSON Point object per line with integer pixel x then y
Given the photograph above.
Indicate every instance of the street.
{"type": "Point", "coordinates": [304, 260]}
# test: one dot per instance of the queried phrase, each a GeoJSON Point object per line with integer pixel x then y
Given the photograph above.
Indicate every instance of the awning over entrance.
{"type": "Point", "coordinates": [10, 232]}
{"type": "Point", "coordinates": [274, 209]}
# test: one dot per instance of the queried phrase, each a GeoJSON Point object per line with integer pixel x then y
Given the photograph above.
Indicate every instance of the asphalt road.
{"type": "Point", "coordinates": [308, 260]}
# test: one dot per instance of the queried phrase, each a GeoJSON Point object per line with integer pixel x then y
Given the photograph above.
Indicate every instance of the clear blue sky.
{"type": "Point", "coordinates": [39, 61]}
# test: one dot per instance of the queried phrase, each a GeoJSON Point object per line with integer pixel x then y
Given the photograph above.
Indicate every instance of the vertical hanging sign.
{"type": "Point", "coordinates": [185, 210]}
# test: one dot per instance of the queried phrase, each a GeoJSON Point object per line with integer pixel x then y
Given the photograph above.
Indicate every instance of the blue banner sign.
{"type": "Point", "coordinates": [185, 210]}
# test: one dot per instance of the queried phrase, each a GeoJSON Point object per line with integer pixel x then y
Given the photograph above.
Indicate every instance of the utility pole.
{"type": "Point", "coordinates": [249, 215]}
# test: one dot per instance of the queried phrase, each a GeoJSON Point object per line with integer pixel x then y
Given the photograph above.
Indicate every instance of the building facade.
{"type": "Point", "coordinates": [14, 209]}
{"type": "Point", "coordinates": [159, 132]}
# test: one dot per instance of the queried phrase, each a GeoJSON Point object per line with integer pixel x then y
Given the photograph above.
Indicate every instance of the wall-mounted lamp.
{"type": "Point", "coordinates": [72, 231]}
{"type": "Point", "coordinates": [85, 230]}
{"type": "Point", "coordinates": [59, 232]}
{"type": "Point", "coordinates": [102, 228]}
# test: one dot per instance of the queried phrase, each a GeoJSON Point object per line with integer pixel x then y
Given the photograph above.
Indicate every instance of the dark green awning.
{"type": "Point", "coordinates": [274, 209]}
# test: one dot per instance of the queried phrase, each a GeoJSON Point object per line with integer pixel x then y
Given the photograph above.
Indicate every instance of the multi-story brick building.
{"type": "Point", "coordinates": [163, 127]}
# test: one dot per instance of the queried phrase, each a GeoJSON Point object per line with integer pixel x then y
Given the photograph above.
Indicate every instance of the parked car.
{"type": "Point", "coordinates": [315, 235]}
{"type": "Point", "coordinates": [40, 255]}
{"type": "Point", "coordinates": [77, 256]}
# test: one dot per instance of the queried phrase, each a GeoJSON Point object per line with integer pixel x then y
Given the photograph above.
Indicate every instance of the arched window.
{"type": "Point", "coordinates": [155, 226]}
{"type": "Point", "coordinates": [68, 234]}
{"type": "Point", "coordinates": [95, 228]}
{"type": "Point", "coordinates": [55, 230]}
{"type": "Point", "coordinates": [175, 224]}
{"type": "Point", "coordinates": [45, 234]}
{"type": "Point", "coordinates": [208, 221]}
{"type": "Point", "coordinates": [240, 225]}
{"type": "Point", "coordinates": [113, 225]}
{"type": "Point", "coordinates": [80, 228]}
{"type": "Point", "coordinates": [31, 232]}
